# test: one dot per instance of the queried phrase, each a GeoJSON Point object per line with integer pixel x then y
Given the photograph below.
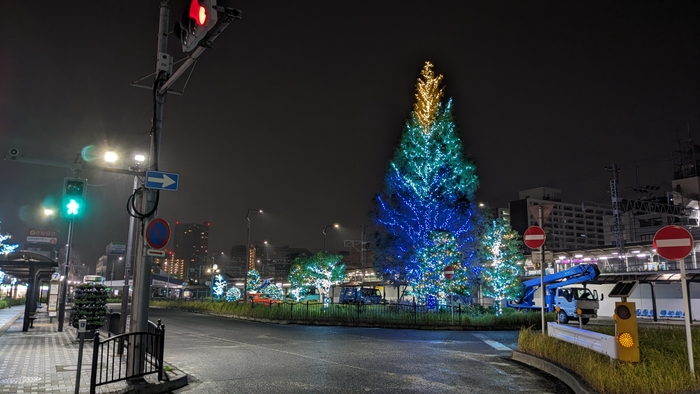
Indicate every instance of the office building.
{"type": "Point", "coordinates": [191, 247]}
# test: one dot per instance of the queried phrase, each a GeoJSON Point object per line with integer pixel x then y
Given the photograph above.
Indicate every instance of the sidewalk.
{"type": "Point", "coordinates": [43, 360]}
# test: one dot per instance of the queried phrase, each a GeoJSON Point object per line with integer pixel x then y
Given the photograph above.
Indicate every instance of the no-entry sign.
{"type": "Point", "coordinates": [157, 233]}
{"type": "Point", "coordinates": [673, 242]}
{"type": "Point", "coordinates": [534, 237]}
{"type": "Point", "coordinates": [449, 272]}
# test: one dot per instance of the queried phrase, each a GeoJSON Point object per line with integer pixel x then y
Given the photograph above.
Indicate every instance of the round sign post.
{"type": "Point", "coordinates": [673, 243]}
{"type": "Point", "coordinates": [157, 233]}
{"type": "Point", "coordinates": [534, 237]}
{"type": "Point", "coordinates": [449, 272]}
{"type": "Point", "coordinates": [676, 243]}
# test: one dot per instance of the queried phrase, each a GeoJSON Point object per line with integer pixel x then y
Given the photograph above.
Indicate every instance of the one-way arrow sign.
{"type": "Point", "coordinates": [162, 180]}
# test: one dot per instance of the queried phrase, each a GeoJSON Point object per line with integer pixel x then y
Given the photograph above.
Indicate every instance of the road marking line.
{"type": "Point", "coordinates": [494, 344]}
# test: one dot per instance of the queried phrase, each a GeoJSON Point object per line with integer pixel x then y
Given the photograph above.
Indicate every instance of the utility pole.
{"type": "Point", "coordinates": [359, 245]}
{"type": "Point", "coordinates": [617, 226]}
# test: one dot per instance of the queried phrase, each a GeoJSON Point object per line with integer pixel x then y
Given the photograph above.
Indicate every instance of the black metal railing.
{"type": "Point", "coordinates": [127, 356]}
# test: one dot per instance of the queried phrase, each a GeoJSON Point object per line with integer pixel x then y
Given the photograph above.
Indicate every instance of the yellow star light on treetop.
{"type": "Point", "coordinates": [428, 95]}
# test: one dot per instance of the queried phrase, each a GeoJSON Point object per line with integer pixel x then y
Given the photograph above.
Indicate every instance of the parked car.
{"type": "Point", "coordinates": [262, 299]}
{"type": "Point", "coordinates": [360, 295]}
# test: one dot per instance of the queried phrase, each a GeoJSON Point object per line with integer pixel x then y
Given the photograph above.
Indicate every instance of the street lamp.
{"type": "Point", "coordinates": [214, 270]}
{"type": "Point", "coordinates": [324, 234]}
{"type": "Point", "coordinates": [111, 157]}
{"type": "Point", "coordinates": [247, 252]}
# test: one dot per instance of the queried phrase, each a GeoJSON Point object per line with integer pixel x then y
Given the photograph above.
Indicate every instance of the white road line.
{"type": "Point", "coordinates": [494, 344]}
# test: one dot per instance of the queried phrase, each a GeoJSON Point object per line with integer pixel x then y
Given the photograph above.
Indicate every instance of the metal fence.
{"type": "Point", "coordinates": [111, 361]}
{"type": "Point", "coordinates": [364, 313]}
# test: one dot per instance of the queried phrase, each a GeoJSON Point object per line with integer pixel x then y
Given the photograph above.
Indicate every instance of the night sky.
{"type": "Point", "coordinates": [299, 105]}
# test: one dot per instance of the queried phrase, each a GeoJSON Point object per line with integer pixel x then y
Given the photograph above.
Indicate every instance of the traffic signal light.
{"type": "Point", "coordinates": [626, 332]}
{"type": "Point", "coordinates": [197, 20]}
{"type": "Point", "coordinates": [73, 201]}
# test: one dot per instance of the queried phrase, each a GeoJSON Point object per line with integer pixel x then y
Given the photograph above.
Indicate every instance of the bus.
{"type": "Point", "coordinates": [93, 279]}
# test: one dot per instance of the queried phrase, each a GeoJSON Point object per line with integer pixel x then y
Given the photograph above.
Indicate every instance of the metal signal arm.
{"type": "Point", "coordinates": [227, 14]}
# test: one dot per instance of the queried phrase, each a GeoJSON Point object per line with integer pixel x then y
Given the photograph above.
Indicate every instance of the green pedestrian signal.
{"type": "Point", "coordinates": [73, 202]}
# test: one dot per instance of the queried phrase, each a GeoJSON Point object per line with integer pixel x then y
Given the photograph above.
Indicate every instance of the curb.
{"type": "Point", "coordinates": [570, 379]}
{"type": "Point", "coordinates": [176, 379]}
{"type": "Point", "coordinates": [9, 324]}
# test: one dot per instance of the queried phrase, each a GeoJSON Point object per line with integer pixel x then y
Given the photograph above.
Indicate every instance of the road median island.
{"type": "Point", "coordinates": [663, 366]}
{"type": "Point", "coordinates": [575, 383]}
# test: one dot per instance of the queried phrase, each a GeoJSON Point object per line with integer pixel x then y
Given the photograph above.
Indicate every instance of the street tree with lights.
{"type": "Point", "coordinates": [274, 291]}
{"type": "Point", "coordinates": [501, 255]}
{"type": "Point", "coordinates": [428, 195]}
{"type": "Point", "coordinates": [320, 270]}
{"type": "Point", "coordinates": [6, 248]}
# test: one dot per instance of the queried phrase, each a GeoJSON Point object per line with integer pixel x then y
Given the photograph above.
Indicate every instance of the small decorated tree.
{"type": "Point", "coordinates": [89, 303]}
{"type": "Point", "coordinates": [219, 287]}
{"type": "Point", "coordinates": [233, 294]}
{"type": "Point", "coordinates": [254, 282]}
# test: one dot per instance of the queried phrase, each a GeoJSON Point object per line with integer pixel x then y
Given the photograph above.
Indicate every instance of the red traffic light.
{"type": "Point", "coordinates": [198, 13]}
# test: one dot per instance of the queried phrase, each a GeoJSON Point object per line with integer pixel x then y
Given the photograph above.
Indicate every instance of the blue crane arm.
{"type": "Point", "coordinates": [576, 274]}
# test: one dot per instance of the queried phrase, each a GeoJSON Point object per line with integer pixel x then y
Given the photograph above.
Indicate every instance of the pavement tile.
{"type": "Point", "coordinates": [43, 360]}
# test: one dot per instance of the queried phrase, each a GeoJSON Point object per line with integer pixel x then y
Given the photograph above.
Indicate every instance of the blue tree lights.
{"type": "Point", "coordinates": [219, 286]}
{"type": "Point", "coordinates": [7, 248]}
{"type": "Point", "coordinates": [426, 216]}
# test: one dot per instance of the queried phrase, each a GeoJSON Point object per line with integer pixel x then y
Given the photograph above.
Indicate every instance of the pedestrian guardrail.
{"type": "Point", "coordinates": [112, 359]}
{"type": "Point", "coordinates": [600, 343]}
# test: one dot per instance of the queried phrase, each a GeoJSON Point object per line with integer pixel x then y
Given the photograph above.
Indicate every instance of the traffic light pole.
{"type": "Point", "coordinates": [149, 198]}
{"type": "Point", "coordinates": [142, 269]}
{"type": "Point", "coordinates": [64, 285]}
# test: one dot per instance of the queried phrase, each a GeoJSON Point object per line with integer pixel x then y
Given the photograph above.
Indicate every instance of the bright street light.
{"type": "Point", "coordinates": [111, 156]}
{"type": "Point", "coordinates": [247, 252]}
{"type": "Point", "coordinates": [336, 225]}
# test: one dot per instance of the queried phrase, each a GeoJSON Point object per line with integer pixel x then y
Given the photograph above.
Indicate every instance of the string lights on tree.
{"type": "Point", "coordinates": [219, 286]}
{"type": "Point", "coordinates": [429, 193]}
{"type": "Point", "coordinates": [321, 270]}
{"type": "Point", "coordinates": [501, 255]}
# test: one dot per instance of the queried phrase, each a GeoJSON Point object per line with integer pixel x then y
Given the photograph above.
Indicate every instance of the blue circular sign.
{"type": "Point", "coordinates": [157, 233]}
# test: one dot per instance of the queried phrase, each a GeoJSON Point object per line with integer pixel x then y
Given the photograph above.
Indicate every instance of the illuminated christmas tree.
{"type": "Point", "coordinates": [219, 287]}
{"type": "Point", "coordinates": [429, 192]}
{"type": "Point", "coordinates": [501, 255]}
{"type": "Point", "coordinates": [253, 280]}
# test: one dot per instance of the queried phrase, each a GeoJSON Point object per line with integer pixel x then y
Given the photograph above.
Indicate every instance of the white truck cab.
{"type": "Point", "coordinates": [570, 300]}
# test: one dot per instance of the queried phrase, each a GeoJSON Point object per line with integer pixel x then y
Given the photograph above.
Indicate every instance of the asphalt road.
{"type": "Point", "coordinates": [223, 355]}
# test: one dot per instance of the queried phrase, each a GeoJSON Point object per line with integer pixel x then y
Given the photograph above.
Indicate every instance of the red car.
{"type": "Point", "coordinates": [262, 299]}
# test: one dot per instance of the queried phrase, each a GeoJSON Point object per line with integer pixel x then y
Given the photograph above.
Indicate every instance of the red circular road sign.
{"type": "Point", "coordinates": [449, 272]}
{"type": "Point", "coordinates": [534, 237]}
{"type": "Point", "coordinates": [673, 242]}
{"type": "Point", "coordinates": [157, 233]}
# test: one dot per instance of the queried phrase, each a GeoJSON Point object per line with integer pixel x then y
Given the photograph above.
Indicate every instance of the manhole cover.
{"type": "Point", "coordinates": [20, 380]}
